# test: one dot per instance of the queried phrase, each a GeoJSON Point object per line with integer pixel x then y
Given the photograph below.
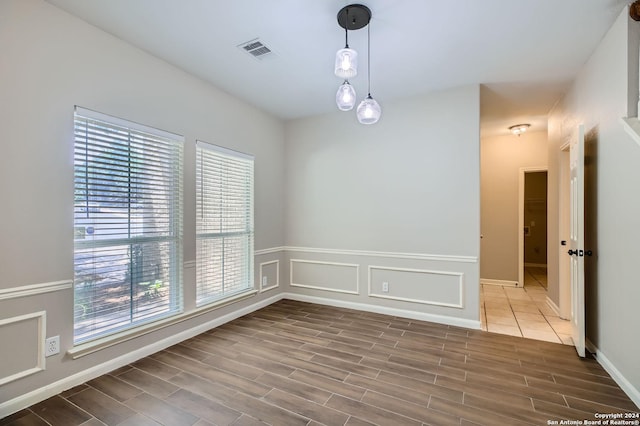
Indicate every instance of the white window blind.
{"type": "Point", "coordinates": [224, 222]}
{"type": "Point", "coordinates": [127, 223]}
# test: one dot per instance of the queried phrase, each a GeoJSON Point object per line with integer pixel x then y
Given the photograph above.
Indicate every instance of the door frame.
{"type": "Point", "coordinates": [521, 175]}
{"type": "Point", "coordinates": [564, 215]}
{"type": "Point", "coordinates": [576, 174]}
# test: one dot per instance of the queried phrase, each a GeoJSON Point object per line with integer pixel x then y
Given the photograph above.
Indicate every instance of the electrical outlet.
{"type": "Point", "coordinates": [52, 346]}
{"type": "Point", "coordinates": [264, 281]}
{"type": "Point", "coordinates": [385, 287]}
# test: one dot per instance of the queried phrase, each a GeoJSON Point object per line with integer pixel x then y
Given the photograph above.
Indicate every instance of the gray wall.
{"type": "Point", "coordinates": [50, 62]}
{"type": "Point", "coordinates": [378, 195]}
{"type": "Point", "coordinates": [501, 160]}
{"type": "Point", "coordinates": [605, 91]}
{"type": "Point", "coordinates": [397, 202]}
{"type": "Point", "coordinates": [402, 195]}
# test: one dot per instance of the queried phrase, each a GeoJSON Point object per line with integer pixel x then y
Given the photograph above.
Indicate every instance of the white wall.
{"type": "Point", "coordinates": [406, 185]}
{"type": "Point", "coordinates": [502, 157]}
{"type": "Point", "coordinates": [50, 62]}
{"type": "Point", "coordinates": [605, 91]}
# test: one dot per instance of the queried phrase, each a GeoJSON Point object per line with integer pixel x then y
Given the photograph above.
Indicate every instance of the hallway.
{"type": "Point", "coordinates": [523, 312]}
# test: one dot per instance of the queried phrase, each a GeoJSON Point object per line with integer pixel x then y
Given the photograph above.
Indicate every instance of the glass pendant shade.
{"type": "Point", "coordinates": [346, 63]}
{"type": "Point", "coordinates": [368, 111]}
{"type": "Point", "coordinates": [346, 97]}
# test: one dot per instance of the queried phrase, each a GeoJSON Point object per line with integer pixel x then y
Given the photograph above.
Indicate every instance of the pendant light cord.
{"type": "Point", "coordinates": [346, 31]}
{"type": "Point", "coordinates": [369, 60]}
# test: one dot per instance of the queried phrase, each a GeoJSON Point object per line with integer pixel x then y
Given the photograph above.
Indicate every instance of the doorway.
{"type": "Point", "coordinates": [507, 306]}
{"type": "Point", "coordinates": [532, 220]}
{"type": "Point", "coordinates": [535, 229]}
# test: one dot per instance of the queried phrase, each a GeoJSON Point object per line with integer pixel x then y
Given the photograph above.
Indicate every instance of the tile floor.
{"type": "Point", "coordinates": [523, 311]}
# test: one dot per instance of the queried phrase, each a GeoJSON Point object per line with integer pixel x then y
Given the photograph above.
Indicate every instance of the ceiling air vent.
{"type": "Point", "coordinates": [256, 49]}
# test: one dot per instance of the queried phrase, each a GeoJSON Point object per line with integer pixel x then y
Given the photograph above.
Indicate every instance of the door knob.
{"type": "Point", "coordinates": [580, 253]}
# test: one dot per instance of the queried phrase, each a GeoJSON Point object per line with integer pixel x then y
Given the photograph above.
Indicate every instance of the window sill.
{"type": "Point", "coordinates": [84, 349]}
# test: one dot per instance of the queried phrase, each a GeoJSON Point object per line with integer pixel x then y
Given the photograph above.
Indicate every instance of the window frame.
{"type": "Point", "coordinates": [174, 205]}
{"type": "Point", "coordinates": [203, 296]}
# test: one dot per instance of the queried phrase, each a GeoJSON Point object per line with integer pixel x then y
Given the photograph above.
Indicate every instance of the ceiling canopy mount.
{"type": "Point", "coordinates": [354, 17]}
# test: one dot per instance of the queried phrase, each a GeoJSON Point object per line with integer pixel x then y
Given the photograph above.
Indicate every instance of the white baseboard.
{"type": "Point", "coordinates": [503, 283]}
{"type": "Point", "coordinates": [33, 397]}
{"type": "Point", "coordinates": [632, 392]}
{"type": "Point", "coordinates": [421, 316]}
{"type": "Point", "coordinates": [555, 308]}
{"type": "Point", "coordinates": [590, 346]}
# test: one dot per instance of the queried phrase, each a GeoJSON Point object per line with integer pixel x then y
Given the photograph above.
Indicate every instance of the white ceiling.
{"type": "Point", "coordinates": [524, 52]}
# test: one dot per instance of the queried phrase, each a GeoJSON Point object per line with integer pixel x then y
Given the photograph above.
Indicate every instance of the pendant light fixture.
{"type": "Point", "coordinates": [352, 17]}
{"type": "Point", "coordinates": [346, 97]}
{"type": "Point", "coordinates": [347, 58]}
{"type": "Point", "coordinates": [369, 110]}
{"type": "Point", "coordinates": [355, 17]}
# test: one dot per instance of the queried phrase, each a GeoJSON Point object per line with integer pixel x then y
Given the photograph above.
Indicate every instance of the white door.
{"type": "Point", "coordinates": [576, 251]}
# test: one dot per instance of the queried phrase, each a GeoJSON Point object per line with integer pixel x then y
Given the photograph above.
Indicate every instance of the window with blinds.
{"type": "Point", "coordinates": [127, 224]}
{"type": "Point", "coordinates": [224, 223]}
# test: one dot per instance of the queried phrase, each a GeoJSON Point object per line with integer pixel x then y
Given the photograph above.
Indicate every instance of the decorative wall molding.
{"type": "Point", "coordinates": [34, 289]}
{"type": "Point", "coordinates": [41, 317]}
{"type": "Point", "coordinates": [369, 253]}
{"type": "Point", "coordinates": [270, 250]}
{"type": "Point", "coordinates": [277, 284]}
{"type": "Point", "coordinates": [397, 255]}
{"type": "Point", "coordinates": [632, 392]}
{"type": "Point", "coordinates": [460, 276]}
{"type": "Point", "coordinates": [316, 287]}
{"type": "Point", "coordinates": [503, 283]}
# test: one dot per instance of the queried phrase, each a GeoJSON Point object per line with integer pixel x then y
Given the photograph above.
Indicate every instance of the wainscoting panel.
{"type": "Point", "coordinates": [429, 287]}
{"type": "Point", "coordinates": [23, 335]}
{"type": "Point", "coordinates": [322, 275]}
{"type": "Point", "coordinates": [269, 275]}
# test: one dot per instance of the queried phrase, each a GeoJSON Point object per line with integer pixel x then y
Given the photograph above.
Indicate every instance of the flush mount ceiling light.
{"type": "Point", "coordinates": [355, 17]}
{"type": "Point", "coordinates": [519, 129]}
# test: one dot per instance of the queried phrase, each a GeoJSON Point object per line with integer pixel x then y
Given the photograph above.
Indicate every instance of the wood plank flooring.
{"type": "Point", "coordinates": [295, 363]}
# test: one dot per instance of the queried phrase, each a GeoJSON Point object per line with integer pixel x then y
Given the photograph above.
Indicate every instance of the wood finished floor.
{"type": "Point", "coordinates": [295, 363]}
